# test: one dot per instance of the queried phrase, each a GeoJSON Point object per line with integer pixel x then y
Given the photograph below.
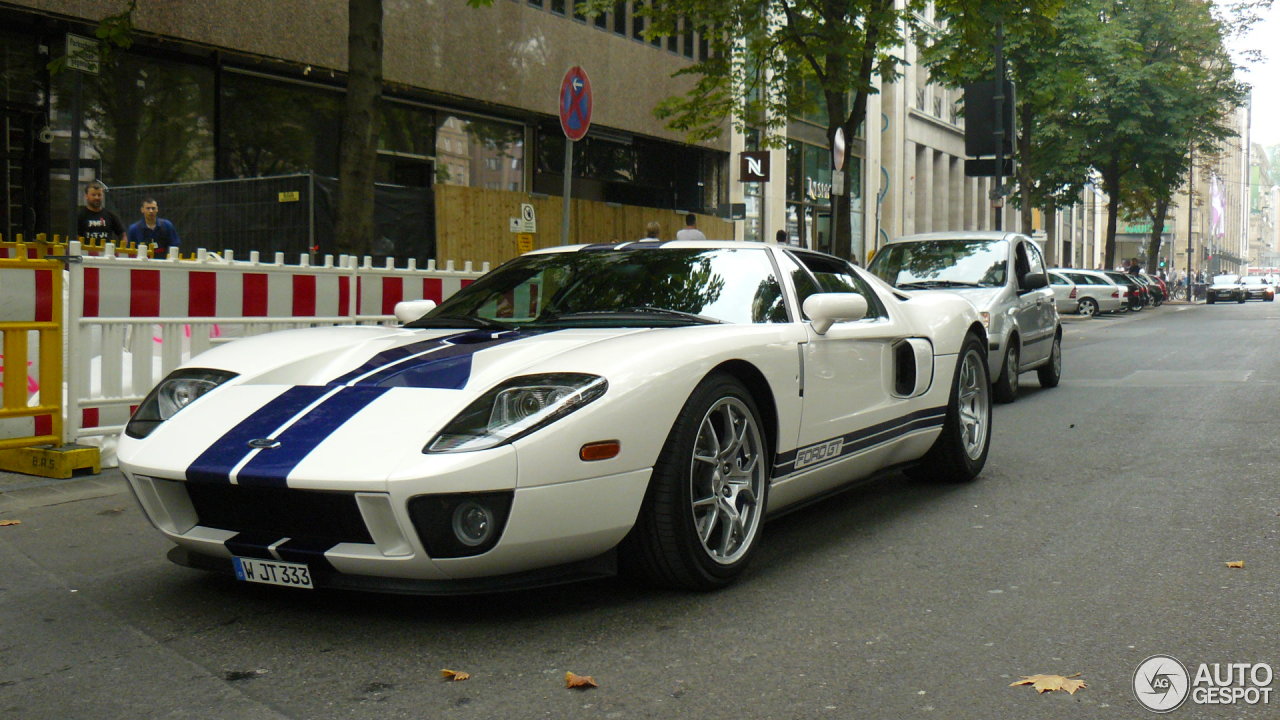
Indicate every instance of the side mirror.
{"type": "Point", "coordinates": [1034, 281]}
{"type": "Point", "coordinates": [409, 310]}
{"type": "Point", "coordinates": [826, 309]}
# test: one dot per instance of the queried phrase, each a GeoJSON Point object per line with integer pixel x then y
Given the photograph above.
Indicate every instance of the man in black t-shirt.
{"type": "Point", "coordinates": [95, 223]}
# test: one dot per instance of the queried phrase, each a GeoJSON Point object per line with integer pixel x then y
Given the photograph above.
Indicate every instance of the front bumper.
{"type": "Point", "coordinates": [554, 533]}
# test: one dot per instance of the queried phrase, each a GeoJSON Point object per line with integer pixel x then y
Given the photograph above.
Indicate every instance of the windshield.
{"type": "Point", "coordinates": [639, 287]}
{"type": "Point", "coordinates": [1254, 280]}
{"type": "Point", "coordinates": [945, 262]}
{"type": "Point", "coordinates": [1226, 279]}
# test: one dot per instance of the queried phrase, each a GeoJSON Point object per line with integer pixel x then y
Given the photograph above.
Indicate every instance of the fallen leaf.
{"type": "Point", "coordinates": [579, 681]}
{"type": "Point", "coordinates": [1235, 564]}
{"type": "Point", "coordinates": [454, 675]}
{"type": "Point", "coordinates": [6, 523]}
{"type": "Point", "coordinates": [1049, 683]}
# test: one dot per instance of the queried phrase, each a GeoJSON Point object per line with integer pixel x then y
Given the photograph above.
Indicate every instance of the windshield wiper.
{"type": "Point", "coordinates": [938, 284]}
{"type": "Point", "coordinates": [453, 321]}
{"type": "Point", "coordinates": [630, 312]}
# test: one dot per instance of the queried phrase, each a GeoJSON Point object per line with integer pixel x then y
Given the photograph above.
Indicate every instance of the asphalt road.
{"type": "Point", "coordinates": [1096, 537]}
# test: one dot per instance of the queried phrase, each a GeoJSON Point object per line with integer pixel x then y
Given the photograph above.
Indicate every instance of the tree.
{"type": "Point", "coordinates": [358, 149]}
{"type": "Point", "coordinates": [772, 60]}
{"type": "Point", "coordinates": [1160, 84]}
{"type": "Point", "coordinates": [1042, 50]}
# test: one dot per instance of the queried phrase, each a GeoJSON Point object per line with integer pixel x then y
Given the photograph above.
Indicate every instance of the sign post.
{"type": "Point", "coordinates": [575, 120]}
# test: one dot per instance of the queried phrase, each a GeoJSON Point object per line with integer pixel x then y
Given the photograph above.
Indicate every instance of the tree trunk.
{"type": "Point", "coordinates": [359, 144]}
{"type": "Point", "coordinates": [1111, 185]}
{"type": "Point", "coordinates": [1157, 228]}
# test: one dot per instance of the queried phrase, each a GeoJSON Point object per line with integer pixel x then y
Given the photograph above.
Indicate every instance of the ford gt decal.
{"type": "Point", "coordinates": [827, 451]}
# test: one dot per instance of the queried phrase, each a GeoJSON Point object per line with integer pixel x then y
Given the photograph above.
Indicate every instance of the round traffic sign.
{"type": "Point", "coordinates": [575, 103]}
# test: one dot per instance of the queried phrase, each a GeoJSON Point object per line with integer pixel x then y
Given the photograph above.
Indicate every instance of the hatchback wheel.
{"type": "Point", "coordinates": [1088, 307]}
{"type": "Point", "coordinates": [1006, 386]}
{"type": "Point", "coordinates": [1051, 372]}
{"type": "Point", "coordinates": [960, 452]}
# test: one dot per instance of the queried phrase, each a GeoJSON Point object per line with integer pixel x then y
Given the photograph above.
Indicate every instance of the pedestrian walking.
{"type": "Point", "coordinates": [690, 230]}
{"type": "Point", "coordinates": [95, 223]}
{"type": "Point", "coordinates": [781, 238]}
{"type": "Point", "coordinates": [154, 230]}
{"type": "Point", "coordinates": [652, 231]}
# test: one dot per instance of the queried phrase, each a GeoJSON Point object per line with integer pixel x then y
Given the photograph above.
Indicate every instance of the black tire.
{"type": "Point", "coordinates": [1209, 300]}
{"type": "Point", "coordinates": [1051, 372]}
{"type": "Point", "coordinates": [960, 452]}
{"type": "Point", "coordinates": [690, 497]}
{"type": "Point", "coordinates": [1088, 307]}
{"type": "Point", "coordinates": [1005, 388]}
{"type": "Point", "coordinates": [1241, 300]}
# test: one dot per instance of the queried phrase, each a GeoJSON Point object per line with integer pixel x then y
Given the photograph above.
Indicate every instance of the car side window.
{"type": "Point", "coordinates": [819, 274]}
{"type": "Point", "coordinates": [1027, 259]}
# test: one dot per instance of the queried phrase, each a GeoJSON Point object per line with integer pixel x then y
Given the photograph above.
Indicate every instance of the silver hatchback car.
{"type": "Point", "coordinates": [1003, 275]}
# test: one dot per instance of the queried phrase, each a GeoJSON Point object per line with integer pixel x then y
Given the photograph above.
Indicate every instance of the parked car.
{"type": "Point", "coordinates": [1224, 288]}
{"type": "Point", "coordinates": [1097, 292]}
{"type": "Point", "coordinates": [1257, 287]}
{"type": "Point", "coordinates": [1065, 297]}
{"type": "Point", "coordinates": [1156, 287]}
{"type": "Point", "coordinates": [1003, 275]}
{"type": "Point", "coordinates": [1137, 296]}
{"type": "Point", "coordinates": [641, 403]}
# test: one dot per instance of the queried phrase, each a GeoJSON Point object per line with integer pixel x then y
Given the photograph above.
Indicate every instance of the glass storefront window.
{"type": "Point", "coordinates": [144, 120]}
{"type": "Point", "coordinates": [479, 153]}
{"type": "Point", "coordinates": [271, 127]}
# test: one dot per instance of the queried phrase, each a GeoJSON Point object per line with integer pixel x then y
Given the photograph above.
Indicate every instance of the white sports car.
{"type": "Point", "coordinates": [641, 405]}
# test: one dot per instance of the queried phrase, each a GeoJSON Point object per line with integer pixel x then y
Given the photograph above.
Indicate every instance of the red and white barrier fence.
{"type": "Point", "coordinates": [131, 321]}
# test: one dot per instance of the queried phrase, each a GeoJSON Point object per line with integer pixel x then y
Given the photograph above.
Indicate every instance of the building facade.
{"type": "Point", "coordinates": [238, 88]}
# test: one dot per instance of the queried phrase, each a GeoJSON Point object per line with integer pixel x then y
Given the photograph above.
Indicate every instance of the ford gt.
{"type": "Point", "coordinates": [578, 411]}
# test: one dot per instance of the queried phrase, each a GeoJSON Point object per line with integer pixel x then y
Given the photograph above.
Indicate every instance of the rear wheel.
{"type": "Point", "coordinates": [1088, 307]}
{"type": "Point", "coordinates": [1051, 372]}
{"type": "Point", "coordinates": [960, 452]}
{"type": "Point", "coordinates": [1006, 386]}
{"type": "Point", "coordinates": [701, 518]}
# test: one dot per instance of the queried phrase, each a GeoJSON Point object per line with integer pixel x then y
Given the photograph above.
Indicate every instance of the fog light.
{"type": "Point", "coordinates": [472, 523]}
{"type": "Point", "coordinates": [460, 524]}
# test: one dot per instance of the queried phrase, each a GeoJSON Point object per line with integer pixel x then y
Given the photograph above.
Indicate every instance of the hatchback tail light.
{"type": "Point", "coordinates": [1115, 293]}
{"type": "Point", "coordinates": [1072, 296]}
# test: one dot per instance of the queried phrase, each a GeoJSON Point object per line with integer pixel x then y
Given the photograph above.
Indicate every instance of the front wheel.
{"type": "Point", "coordinates": [1088, 307]}
{"type": "Point", "coordinates": [1006, 386]}
{"type": "Point", "coordinates": [960, 452]}
{"type": "Point", "coordinates": [701, 518]}
{"type": "Point", "coordinates": [1051, 372]}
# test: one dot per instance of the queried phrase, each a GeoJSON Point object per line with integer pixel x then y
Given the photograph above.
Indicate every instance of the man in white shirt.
{"type": "Point", "coordinates": [690, 231]}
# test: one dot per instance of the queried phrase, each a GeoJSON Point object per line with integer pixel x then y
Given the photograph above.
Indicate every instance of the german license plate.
{"type": "Point", "coordinates": [272, 572]}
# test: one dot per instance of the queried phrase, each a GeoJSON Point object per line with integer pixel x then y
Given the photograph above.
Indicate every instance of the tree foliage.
{"type": "Point", "coordinates": [1124, 89]}
{"type": "Point", "coordinates": [773, 60]}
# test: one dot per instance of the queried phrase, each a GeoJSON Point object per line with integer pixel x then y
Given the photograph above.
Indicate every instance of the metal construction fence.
{"type": "Point", "coordinates": [293, 214]}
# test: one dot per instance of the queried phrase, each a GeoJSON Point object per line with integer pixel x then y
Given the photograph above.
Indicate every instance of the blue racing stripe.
{"type": "Point", "coordinates": [252, 544]}
{"type": "Point", "coordinates": [214, 464]}
{"type": "Point", "coordinates": [270, 468]}
{"type": "Point", "coordinates": [448, 368]}
{"type": "Point", "coordinates": [387, 357]}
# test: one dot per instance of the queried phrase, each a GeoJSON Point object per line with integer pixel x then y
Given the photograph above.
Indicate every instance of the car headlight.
{"type": "Point", "coordinates": [985, 317]}
{"type": "Point", "coordinates": [516, 408]}
{"type": "Point", "coordinates": [175, 392]}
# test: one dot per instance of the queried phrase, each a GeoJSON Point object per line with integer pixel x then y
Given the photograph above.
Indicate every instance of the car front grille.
{"type": "Point", "coordinates": [286, 512]}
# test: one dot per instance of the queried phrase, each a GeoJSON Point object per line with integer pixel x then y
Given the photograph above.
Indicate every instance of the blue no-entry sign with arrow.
{"type": "Point", "coordinates": [575, 103]}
